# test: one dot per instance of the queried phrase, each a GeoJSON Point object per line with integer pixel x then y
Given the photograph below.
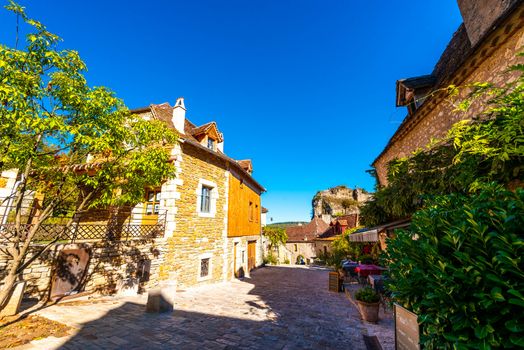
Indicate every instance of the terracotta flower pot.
{"type": "Point", "coordinates": [369, 311]}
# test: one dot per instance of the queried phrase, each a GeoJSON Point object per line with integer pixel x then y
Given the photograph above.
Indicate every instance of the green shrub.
{"type": "Point", "coordinates": [367, 295]}
{"type": "Point", "coordinates": [367, 259]}
{"type": "Point", "coordinates": [460, 268]}
{"type": "Point", "coordinates": [300, 258]}
{"type": "Point", "coordinates": [286, 261]}
{"type": "Point", "coordinates": [270, 259]}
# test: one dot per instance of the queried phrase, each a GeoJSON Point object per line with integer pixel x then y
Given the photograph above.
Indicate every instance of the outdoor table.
{"type": "Point", "coordinates": [365, 270]}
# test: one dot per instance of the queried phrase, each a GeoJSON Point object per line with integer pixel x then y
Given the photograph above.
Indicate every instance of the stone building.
{"type": "Point", "coordinates": [481, 50]}
{"type": "Point", "coordinates": [203, 226]}
{"type": "Point", "coordinates": [301, 240]}
{"type": "Point", "coordinates": [212, 207]}
{"type": "Point", "coordinates": [314, 239]}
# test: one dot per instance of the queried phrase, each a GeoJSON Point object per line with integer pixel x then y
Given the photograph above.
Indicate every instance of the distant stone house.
{"type": "Point", "coordinates": [301, 240]}
{"type": "Point", "coordinates": [314, 239]}
{"type": "Point", "coordinates": [481, 50]}
{"type": "Point", "coordinates": [337, 227]}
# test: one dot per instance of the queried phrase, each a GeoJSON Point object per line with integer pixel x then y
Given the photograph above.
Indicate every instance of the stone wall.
{"type": "Point", "coordinates": [196, 236]}
{"type": "Point", "coordinates": [442, 115]}
{"type": "Point", "coordinates": [109, 264]}
{"type": "Point", "coordinates": [241, 261]}
{"type": "Point", "coordinates": [306, 249]}
{"type": "Point", "coordinates": [322, 246]}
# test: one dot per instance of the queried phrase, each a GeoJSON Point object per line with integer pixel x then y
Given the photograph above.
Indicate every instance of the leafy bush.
{"type": "Point", "coordinates": [300, 258]}
{"type": "Point", "coordinates": [367, 259]}
{"type": "Point", "coordinates": [460, 268]}
{"type": "Point", "coordinates": [286, 261]}
{"type": "Point", "coordinates": [367, 295]}
{"type": "Point", "coordinates": [270, 259]}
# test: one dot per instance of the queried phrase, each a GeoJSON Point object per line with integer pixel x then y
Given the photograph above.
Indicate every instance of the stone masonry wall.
{"type": "Point", "coordinates": [195, 236]}
{"type": "Point", "coordinates": [492, 69]}
{"type": "Point", "coordinates": [306, 249]}
{"type": "Point", "coordinates": [110, 262]}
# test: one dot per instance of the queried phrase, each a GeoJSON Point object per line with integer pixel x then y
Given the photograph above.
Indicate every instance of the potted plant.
{"type": "Point", "coordinates": [368, 304]}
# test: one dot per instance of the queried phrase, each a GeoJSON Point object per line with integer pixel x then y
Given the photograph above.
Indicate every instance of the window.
{"type": "Point", "coordinates": [205, 199]}
{"type": "Point", "coordinates": [204, 267]}
{"type": "Point", "coordinates": [296, 248]}
{"type": "Point", "coordinates": [206, 196]}
{"type": "Point", "coordinates": [257, 214]}
{"type": "Point", "coordinates": [250, 211]}
{"type": "Point", "coordinates": [210, 143]}
{"type": "Point", "coordinates": [152, 202]}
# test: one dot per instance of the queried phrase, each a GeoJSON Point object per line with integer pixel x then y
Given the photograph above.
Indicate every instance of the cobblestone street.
{"type": "Point", "coordinates": [277, 308]}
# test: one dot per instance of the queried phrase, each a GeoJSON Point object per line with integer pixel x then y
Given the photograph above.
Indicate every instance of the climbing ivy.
{"type": "Point", "coordinates": [487, 148]}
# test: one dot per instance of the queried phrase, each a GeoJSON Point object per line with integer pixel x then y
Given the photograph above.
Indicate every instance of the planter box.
{"type": "Point", "coordinates": [369, 311]}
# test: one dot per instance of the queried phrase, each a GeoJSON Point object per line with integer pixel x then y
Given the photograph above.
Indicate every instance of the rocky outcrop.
{"type": "Point", "coordinates": [339, 200]}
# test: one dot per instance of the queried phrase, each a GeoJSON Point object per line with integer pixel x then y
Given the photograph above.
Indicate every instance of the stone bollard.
{"type": "Point", "coordinates": [13, 304]}
{"type": "Point", "coordinates": [162, 298]}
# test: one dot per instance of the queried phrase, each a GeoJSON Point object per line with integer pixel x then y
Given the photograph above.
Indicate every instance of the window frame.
{"type": "Point", "coordinates": [213, 197]}
{"type": "Point", "coordinates": [157, 192]}
{"type": "Point", "coordinates": [201, 257]}
{"type": "Point", "coordinates": [205, 199]}
{"type": "Point", "coordinates": [211, 143]}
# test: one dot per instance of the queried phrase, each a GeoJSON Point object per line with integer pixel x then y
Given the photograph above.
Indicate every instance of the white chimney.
{"type": "Point", "coordinates": [179, 115]}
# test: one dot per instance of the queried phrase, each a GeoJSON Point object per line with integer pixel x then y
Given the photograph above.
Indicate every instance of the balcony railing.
{"type": "Point", "coordinates": [109, 225]}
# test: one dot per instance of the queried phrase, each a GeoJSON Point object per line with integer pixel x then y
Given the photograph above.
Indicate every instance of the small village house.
{"type": "Point", "coordinates": [301, 240]}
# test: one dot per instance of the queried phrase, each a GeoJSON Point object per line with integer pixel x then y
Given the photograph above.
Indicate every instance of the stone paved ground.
{"type": "Point", "coordinates": [278, 308]}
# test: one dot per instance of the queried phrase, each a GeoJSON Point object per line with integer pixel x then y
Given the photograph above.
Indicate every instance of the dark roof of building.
{"type": "Point", "coordinates": [417, 82]}
{"type": "Point", "coordinates": [309, 232]}
{"type": "Point", "coordinates": [164, 112]}
{"type": "Point", "coordinates": [264, 210]}
{"type": "Point", "coordinates": [329, 233]}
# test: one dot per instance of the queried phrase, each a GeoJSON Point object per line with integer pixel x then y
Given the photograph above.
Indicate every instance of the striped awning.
{"type": "Point", "coordinates": [366, 236]}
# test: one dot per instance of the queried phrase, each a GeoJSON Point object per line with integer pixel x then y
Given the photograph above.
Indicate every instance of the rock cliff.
{"type": "Point", "coordinates": [339, 200]}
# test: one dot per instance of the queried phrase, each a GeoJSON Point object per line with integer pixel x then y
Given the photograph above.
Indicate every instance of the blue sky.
{"type": "Point", "coordinates": [306, 89]}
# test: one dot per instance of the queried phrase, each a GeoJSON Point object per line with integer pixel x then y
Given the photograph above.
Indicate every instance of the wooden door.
{"type": "Point", "coordinates": [251, 255]}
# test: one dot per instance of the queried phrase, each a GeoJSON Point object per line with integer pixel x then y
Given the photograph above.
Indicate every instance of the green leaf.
{"type": "Point", "coordinates": [496, 294]}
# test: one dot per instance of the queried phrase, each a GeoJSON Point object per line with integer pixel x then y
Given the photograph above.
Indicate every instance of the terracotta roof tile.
{"type": "Point", "coordinates": [308, 232]}
{"type": "Point", "coordinates": [164, 112]}
{"type": "Point", "coordinates": [246, 164]}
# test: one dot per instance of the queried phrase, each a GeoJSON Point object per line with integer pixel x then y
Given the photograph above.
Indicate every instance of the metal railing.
{"type": "Point", "coordinates": [112, 225]}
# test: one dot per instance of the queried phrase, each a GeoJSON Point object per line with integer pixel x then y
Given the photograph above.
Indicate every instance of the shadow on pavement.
{"type": "Point", "coordinates": [302, 314]}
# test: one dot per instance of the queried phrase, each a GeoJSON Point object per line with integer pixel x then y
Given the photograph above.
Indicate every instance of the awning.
{"type": "Point", "coordinates": [366, 236]}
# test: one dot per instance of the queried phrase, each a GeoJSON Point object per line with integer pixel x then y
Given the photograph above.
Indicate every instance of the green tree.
{"type": "Point", "coordinates": [276, 235]}
{"type": "Point", "coordinates": [51, 120]}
